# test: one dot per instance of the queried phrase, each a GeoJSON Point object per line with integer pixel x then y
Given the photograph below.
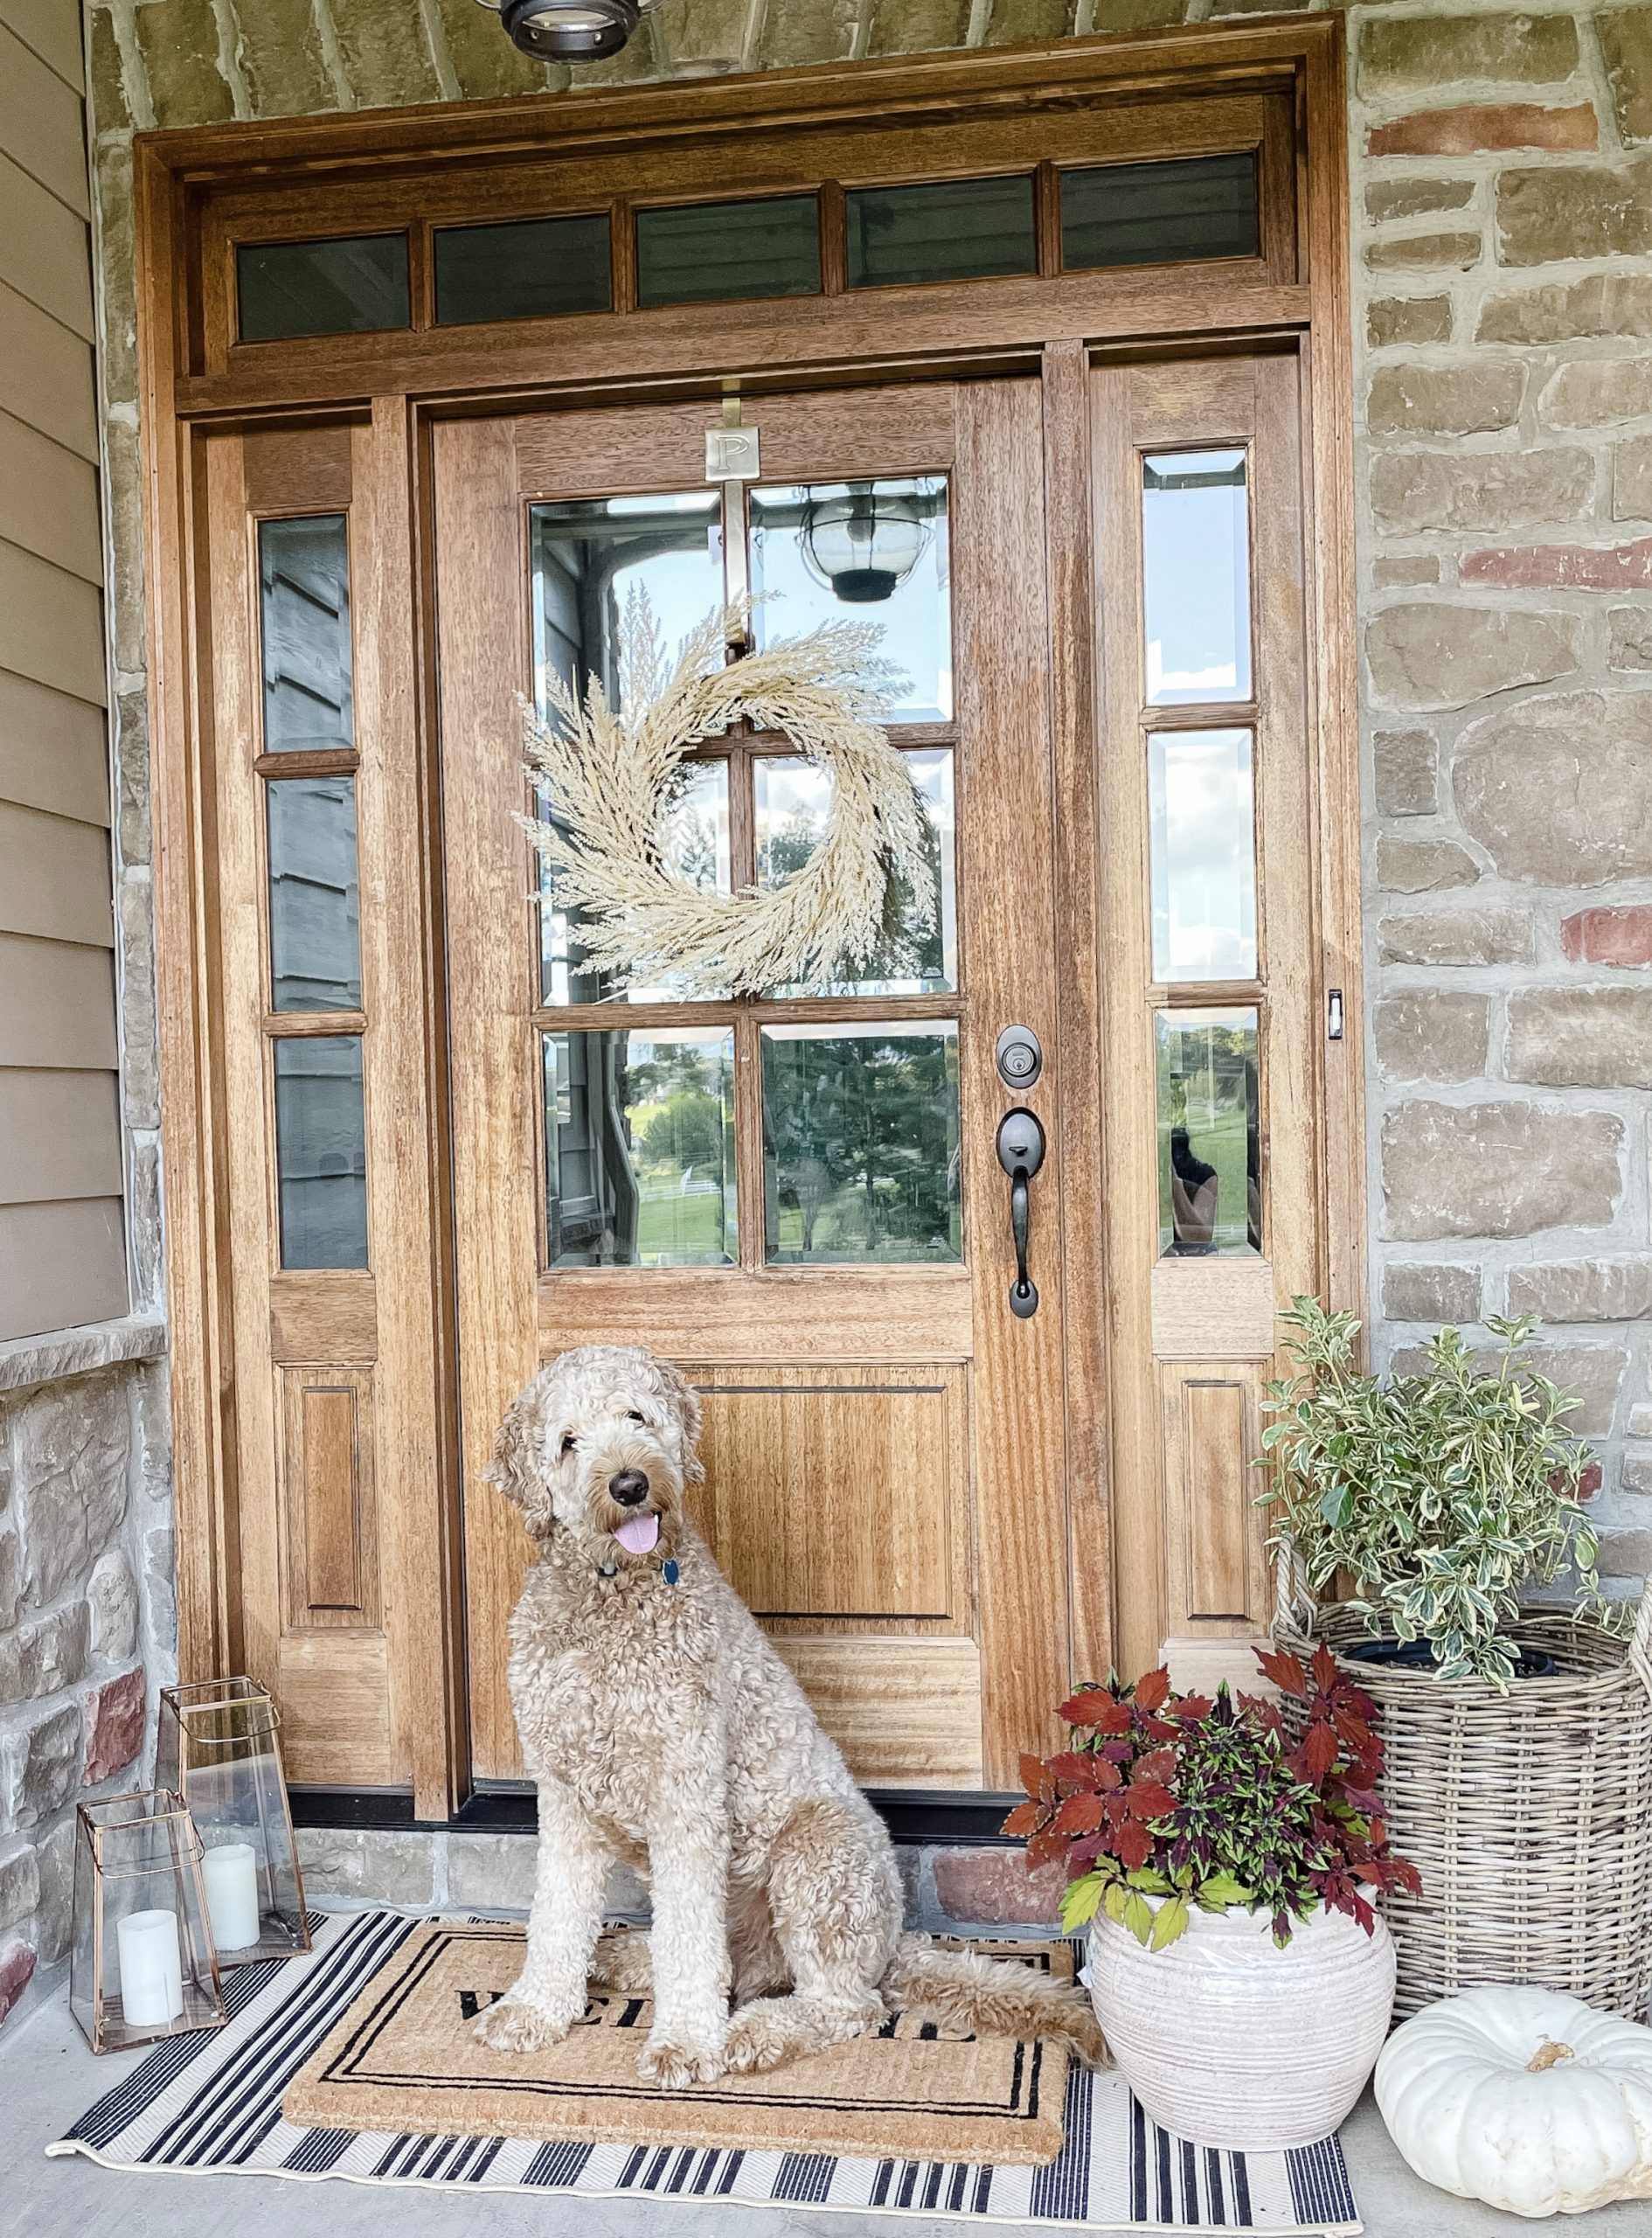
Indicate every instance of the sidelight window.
{"type": "Point", "coordinates": [1196, 674]}
{"type": "Point", "coordinates": [308, 768]}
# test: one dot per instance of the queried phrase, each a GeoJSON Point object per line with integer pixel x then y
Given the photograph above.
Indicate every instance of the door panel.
{"type": "Point", "coordinates": [881, 1456]}
{"type": "Point", "coordinates": [885, 1437]}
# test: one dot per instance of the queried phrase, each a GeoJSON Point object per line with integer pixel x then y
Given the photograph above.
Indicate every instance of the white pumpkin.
{"type": "Point", "coordinates": [1529, 2100]}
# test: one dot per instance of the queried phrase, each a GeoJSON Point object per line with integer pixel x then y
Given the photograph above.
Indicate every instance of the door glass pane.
{"type": "Point", "coordinates": [860, 1144]}
{"type": "Point", "coordinates": [320, 1150]}
{"type": "Point", "coordinates": [723, 252]}
{"type": "Point", "coordinates": [793, 800]}
{"type": "Point", "coordinates": [955, 229]}
{"type": "Point", "coordinates": [542, 267]}
{"type": "Point", "coordinates": [1159, 214]}
{"type": "Point", "coordinates": [639, 1132]}
{"type": "Point", "coordinates": [314, 931]}
{"type": "Point", "coordinates": [588, 558]}
{"type": "Point", "coordinates": [1199, 793]}
{"type": "Point", "coordinates": [694, 845]}
{"type": "Point", "coordinates": [303, 576]}
{"type": "Point", "coordinates": [1196, 559]}
{"type": "Point", "coordinates": [1210, 1145]}
{"type": "Point", "coordinates": [350, 287]}
{"type": "Point", "coordinates": [862, 551]}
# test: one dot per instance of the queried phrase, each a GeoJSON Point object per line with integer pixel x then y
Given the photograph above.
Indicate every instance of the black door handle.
{"type": "Point", "coordinates": [1021, 1147]}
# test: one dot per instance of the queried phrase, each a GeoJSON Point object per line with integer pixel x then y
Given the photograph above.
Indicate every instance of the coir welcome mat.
{"type": "Point", "coordinates": [405, 2057]}
{"type": "Point", "coordinates": [213, 2102]}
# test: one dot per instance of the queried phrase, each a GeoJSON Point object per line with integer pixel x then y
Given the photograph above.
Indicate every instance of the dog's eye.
{"type": "Point", "coordinates": [569, 1443]}
{"type": "Point", "coordinates": [635, 1417]}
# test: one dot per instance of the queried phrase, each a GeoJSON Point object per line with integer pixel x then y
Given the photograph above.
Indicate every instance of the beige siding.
{"type": "Point", "coordinates": [59, 1264]}
{"type": "Point", "coordinates": [62, 1245]}
{"type": "Point", "coordinates": [50, 28]}
{"type": "Point", "coordinates": [57, 1006]}
{"type": "Point", "coordinates": [46, 375]}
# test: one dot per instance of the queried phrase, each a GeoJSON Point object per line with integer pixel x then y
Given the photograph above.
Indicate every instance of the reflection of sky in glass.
{"type": "Point", "coordinates": [916, 619]}
{"type": "Point", "coordinates": [1195, 561]}
{"type": "Point", "coordinates": [589, 556]}
{"type": "Point", "coordinates": [793, 798]}
{"type": "Point", "coordinates": [1203, 855]}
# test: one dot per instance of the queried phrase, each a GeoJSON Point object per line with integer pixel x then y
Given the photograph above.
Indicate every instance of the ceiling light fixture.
{"type": "Point", "coordinates": [570, 31]}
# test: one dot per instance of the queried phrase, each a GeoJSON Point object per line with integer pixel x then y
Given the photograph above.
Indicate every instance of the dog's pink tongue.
{"type": "Point", "coordinates": [639, 1535]}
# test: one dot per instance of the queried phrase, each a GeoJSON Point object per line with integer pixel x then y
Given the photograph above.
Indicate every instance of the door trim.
{"type": "Point", "coordinates": [186, 182]}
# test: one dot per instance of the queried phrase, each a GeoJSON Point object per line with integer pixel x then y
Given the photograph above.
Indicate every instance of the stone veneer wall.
{"type": "Point", "coordinates": [1502, 217]}
{"type": "Point", "coordinates": [87, 1626]}
{"type": "Point", "coordinates": [1502, 164]}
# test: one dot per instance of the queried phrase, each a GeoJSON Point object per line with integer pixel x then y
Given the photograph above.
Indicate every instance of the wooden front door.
{"type": "Point", "coordinates": [416, 426]}
{"type": "Point", "coordinates": [798, 1198]}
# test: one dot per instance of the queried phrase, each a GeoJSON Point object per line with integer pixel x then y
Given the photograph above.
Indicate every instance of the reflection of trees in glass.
{"type": "Point", "coordinates": [674, 1111]}
{"type": "Point", "coordinates": [907, 949]}
{"type": "Point", "coordinates": [1210, 1147]}
{"type": "Point", "coordinates": [678, 1126]}
{"type": "Point", "coordinates": [860, 1134]}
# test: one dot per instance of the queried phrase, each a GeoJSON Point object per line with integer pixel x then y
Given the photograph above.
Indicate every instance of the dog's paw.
{"type": "Point", "coordinates": [757, 2040]}
{"type": "Point", "coordinates": [622, 1961]}
{"type": "Point", "coordinates": [515, 2026]}
{"type": "Point", "coordinates": [673, 2062]}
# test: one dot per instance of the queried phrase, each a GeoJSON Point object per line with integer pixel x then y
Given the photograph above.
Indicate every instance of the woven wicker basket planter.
{"type": "Point", "coordinates": [1529, 1814]}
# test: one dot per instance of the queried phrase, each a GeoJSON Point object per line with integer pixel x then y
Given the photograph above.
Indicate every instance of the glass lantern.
{"type": "Point", "coordinates": [141, 1963]}
{"type": "Point", "coordinates": [219, 1747]}
{"type": "Point", "coordinates": [863, 541]}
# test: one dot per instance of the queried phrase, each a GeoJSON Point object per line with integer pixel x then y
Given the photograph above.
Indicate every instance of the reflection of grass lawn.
{"type": "Point", "coordinates": [1220, 1142]}
{"type": "Point", "coordinates": [672, 1226]}
{"type": "Point", "coordinates": [840, 1230]}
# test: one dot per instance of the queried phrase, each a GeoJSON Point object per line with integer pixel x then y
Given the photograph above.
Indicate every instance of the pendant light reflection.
{"type": "Point", "coordinates": [861, 542]}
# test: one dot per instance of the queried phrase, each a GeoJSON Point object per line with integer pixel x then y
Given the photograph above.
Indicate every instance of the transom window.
{"type": "Point", "coordinates": [825, 241]}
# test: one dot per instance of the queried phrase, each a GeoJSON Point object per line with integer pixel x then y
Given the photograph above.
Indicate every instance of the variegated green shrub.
{"type": "Point", "coordinates": [1441, 1495]}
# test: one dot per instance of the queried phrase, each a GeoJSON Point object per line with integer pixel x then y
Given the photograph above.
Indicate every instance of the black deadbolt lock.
{"type": "Point", "coordinates": [1020, 1058]}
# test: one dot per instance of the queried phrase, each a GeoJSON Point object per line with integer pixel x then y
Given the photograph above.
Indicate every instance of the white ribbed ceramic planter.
{"type": "Point", "coordinates": [1230, 2042]}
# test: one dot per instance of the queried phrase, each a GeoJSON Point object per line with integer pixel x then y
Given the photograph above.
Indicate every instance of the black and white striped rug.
{"type": "Point", "coordinates": [211, 2104]}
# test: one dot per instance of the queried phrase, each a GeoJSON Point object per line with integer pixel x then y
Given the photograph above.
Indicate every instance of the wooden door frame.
{"type": "Point", "coordinates": [191, 184]}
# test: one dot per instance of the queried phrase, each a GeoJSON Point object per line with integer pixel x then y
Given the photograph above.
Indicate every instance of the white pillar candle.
{"type": "Point", "coordinates": [152, 1969]}
{"type": "Point", "coordinates": [231, 1873]}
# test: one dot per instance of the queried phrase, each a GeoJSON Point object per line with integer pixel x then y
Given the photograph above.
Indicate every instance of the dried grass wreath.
{"type": "Point", "coordinates": [614, 777]}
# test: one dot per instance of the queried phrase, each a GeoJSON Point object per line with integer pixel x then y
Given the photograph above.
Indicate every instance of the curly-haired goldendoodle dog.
{"type": "Point", "coordinates": [662, 1729]}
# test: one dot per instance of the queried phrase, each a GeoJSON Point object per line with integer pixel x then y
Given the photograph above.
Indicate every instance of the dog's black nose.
{"type": "Point", "coordinates": [630, 1487]}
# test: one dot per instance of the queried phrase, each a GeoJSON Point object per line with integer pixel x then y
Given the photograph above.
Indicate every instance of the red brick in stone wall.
{"type": "Point", "coordinates": [16, 1969]}
{"type": "Point", "coordinates": [114, 1717]}
{"type": "Point", "coordinates": [997, 1888]}
{"type": "Point", "coordinates": [1605, 936]}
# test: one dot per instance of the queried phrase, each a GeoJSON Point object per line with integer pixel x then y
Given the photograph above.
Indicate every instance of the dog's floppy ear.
{"type": "Point", "coordinates": [513, 1469]}
{"type": "Point", "coordinates": [686, 1400]}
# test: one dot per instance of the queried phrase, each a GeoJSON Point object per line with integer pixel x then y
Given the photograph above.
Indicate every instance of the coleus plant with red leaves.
{"type": "Point", "coordinates": [1195, 1802]}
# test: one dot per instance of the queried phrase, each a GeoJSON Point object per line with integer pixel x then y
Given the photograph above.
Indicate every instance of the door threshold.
{"type": "Point", "coordinates": [955, 1818]}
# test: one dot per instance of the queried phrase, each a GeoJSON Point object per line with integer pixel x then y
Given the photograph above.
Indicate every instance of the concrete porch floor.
{"type": "Point", "coordinates": [48, 2076]}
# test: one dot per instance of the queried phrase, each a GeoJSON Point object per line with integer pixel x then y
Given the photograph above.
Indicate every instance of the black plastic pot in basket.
{"type": "Point", "coordinates": [1528, 1814]}
{"type": "Point", "coordinates": [1415, 1655]}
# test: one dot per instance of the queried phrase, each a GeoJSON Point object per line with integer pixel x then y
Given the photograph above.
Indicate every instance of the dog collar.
{"type": "Point", "coordinates": [669, 1569]}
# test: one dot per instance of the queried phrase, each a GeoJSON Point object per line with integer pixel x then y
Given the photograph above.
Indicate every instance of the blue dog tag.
{"type": "Point", "coordinates": [671, 1573]}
